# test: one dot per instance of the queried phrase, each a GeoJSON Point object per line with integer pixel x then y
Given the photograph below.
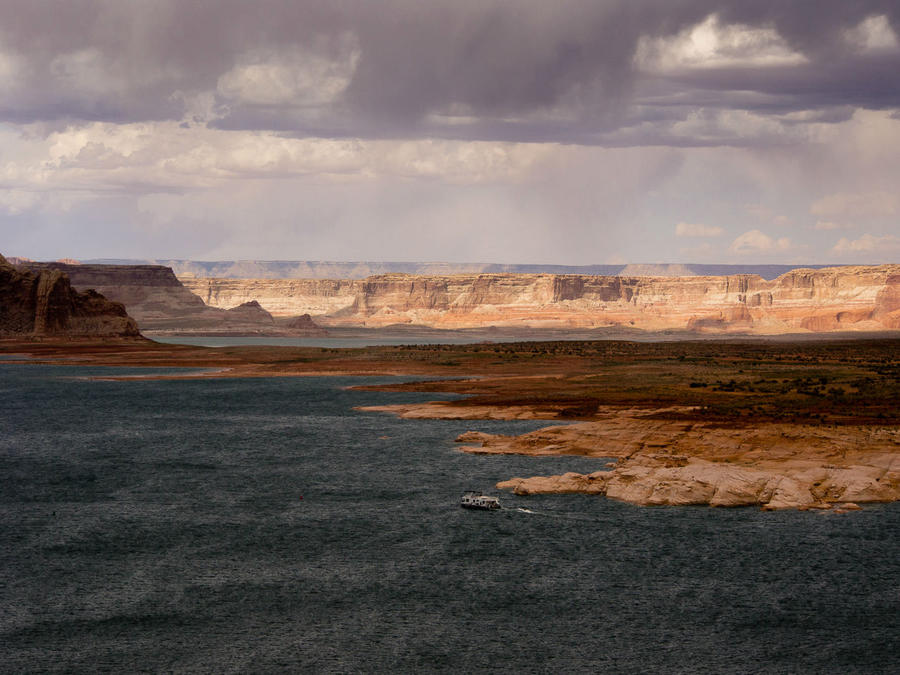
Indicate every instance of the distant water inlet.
{"type": "Point", "coordinates": [264, 525]}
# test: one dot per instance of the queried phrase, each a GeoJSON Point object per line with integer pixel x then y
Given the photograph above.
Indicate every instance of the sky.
{"type": "Point", "coordinates": [508, 131]}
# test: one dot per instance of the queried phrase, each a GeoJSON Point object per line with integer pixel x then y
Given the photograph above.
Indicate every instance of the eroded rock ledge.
{"type": "Point", "coordinates": [669, 462]}
{"type": "Point", "coordinates": [773, 466]}
{"type": "Point", "coordinates": [652, 481]}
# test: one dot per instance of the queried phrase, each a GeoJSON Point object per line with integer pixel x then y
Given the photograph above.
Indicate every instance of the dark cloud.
{"type": "Point", "coordinates": [501, 69]}
{"type": "Point", "coordinates": [868, 81]}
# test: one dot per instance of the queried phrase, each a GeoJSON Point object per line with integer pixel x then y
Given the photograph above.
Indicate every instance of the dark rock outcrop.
{"type": "Point", "coordinates": [151, 293]}
{"type": "Point", "coordinates": [45, 304]}
{"type": "Point", "coordinates": [161, 304]}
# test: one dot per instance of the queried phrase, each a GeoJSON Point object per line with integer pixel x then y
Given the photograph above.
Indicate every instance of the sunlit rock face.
{"type": "Point", "coordinates": [802, 300]}
{"type": "Point", "coordinates": [670, 462]}
{"type": "Point", "coordinates": [862, 298]}
{"type": "Point", "coordinates": [658, 461]}
{"type": "Point", "coordinates": [643, 481]}
{"type": "Point", "coordinates": [45, 304]}
{"type": "Point", "coordinates": [281, 297]}
{"type": "Point", "coordinates": [887, 303]}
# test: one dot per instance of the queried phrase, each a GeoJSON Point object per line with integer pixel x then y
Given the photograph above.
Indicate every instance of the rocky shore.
{"type": "Point", "coordinates": [659, 462]}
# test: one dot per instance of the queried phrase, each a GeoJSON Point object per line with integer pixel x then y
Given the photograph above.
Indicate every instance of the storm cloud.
{"type": "Point", "coordinates": [569, 71]}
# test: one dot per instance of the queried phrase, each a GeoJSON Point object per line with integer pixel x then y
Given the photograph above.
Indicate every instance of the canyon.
{"type": "Point", "coordinates": [803, 300]}
{"type": "Point", "coordinates": [847, 298]}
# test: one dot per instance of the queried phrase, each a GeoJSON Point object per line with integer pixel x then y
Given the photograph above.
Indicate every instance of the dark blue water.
{"type": "Point", "coordinates": [159, 525]}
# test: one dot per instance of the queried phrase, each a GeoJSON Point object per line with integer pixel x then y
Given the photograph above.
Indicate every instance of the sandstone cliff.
{"type": "Point", "coordinates": [152, 293]}
{"type": "Point", "coordinates": [804, 300]}
{"type": "Point", "coordinates": [281, 297]}
{"type": "Point", "coordinates": [159, 302]}
{"type": "Point", "coordinates": [45, 304]}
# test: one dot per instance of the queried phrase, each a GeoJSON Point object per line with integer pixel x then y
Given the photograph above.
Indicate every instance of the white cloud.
{"type": "Point", "coordinates": [873, 33]}
{"type": "Point", "coordinates": [755, 241]}
{"type": "Point", "coordinates": [868, 243]}
{"type": "Point", "coordinates": [710, 44]}
{"type": "Point", "coordinates": [513, 201]}
{"type": "Point", "coordinates": [146, 157]}
{"type": "Point", "coordinates": [697, 230]}
{"type": "Point", "coordinates": [731, 127]}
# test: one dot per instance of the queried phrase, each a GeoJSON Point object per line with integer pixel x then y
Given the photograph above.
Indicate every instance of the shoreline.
{"type": "Point", "coordinates": [672, 444]}
{"type": "Point", "coordinates": [670, 463]}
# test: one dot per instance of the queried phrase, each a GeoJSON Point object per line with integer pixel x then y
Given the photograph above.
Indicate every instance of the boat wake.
{"type": "Point", "coordinates": [553, 514]}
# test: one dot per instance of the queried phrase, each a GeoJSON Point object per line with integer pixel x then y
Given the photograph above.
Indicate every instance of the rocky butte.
{"type": "Point", "coordinates": [45, 304]}
{"type": "Point", "coordinates": [852, 298]}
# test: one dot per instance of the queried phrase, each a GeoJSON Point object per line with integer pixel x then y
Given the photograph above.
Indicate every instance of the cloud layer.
{"type": "Point", "coordinates": [486, 69]}
{"type": "Point", "coordinates": [574, 131]}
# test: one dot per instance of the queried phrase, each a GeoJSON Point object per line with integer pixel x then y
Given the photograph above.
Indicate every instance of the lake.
{"type": "Point", "coordinates": [264, 525]}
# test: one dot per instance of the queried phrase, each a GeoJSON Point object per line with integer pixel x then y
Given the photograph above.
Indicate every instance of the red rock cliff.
{"type": "Point", "coordinates": [856, 298]}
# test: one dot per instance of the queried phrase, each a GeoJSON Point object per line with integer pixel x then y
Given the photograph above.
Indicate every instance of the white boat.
{"type": "Point", "coordinates": [475, 500]}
